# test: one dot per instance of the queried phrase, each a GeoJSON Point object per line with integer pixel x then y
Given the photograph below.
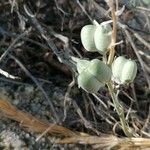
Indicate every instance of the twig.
{"type": "Point", "coordinates": [83, 9]}
{"type": "Point", "coordinates": [6, 74]}
{"type": "Point", "coordinates": [101, 10]}
{"type": "Point", "coordinates": [13, 43]}
{"type": "Point", "coordinates": [145, 55]}
{"type": "Point", "coordinates": [67, 99]}
{"type": "Point", "coordinates": [100, 101]}
{"type": "Point", "coordinates": [13, 81]}
{"type": "Point", "coordinates": [143, 8]}
{"type": "Point", "coordinates": [140, 39]}
{"type": "Point", "coordinates": [60, 9]}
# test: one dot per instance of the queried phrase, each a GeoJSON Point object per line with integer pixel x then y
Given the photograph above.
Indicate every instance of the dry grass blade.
{"type": "Point", "coordinates": [31, 123]}
{"type": "Point", "coordinates": [109, 142]}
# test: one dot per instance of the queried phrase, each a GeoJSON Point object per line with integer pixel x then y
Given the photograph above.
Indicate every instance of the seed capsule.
{"type": "Point", "coordinates": [117, 68]}
{"type": "Point", "coordinates": [87, 37]}
{"type": "Point", "coordinates": [96, 37]}
{"type": "Point", "coordinates": [88, 82]}
{"type": "Point", "coordinates": [124, 70]}
{"type": "Point", "coordinates": [147, 2]}
{"type": "Point", "coordinates": [92, 74]}
{"type": "Point", "coordinates": [100, 70]}
{"type": "Point", "coordinates": [129, 72]}
{"type": "Point", "coordinates": [102, 38]}
{"type": "Point", "coordinates": [82, 64]}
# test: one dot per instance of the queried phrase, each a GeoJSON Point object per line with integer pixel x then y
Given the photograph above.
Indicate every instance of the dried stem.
{"type": "Point", "coordinates": [119, 110]}
{"type": "Point", "coordinates": [116, 103]}
{"type": "Point", "coordinates": [114, 33]}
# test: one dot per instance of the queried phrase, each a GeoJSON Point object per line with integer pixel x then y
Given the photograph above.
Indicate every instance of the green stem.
{"type": "Point", "coordinates": [119, 110]}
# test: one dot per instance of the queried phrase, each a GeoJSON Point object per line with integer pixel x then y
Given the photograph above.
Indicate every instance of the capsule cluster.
{"type": "Point", "coordinates": [96, 38]}
{"type": "Point", "coordinates": [95, 74]}
{"type": "Point", "coordinates": [124, 70]}
{"type": "Point", "coordinates": [92, 74]}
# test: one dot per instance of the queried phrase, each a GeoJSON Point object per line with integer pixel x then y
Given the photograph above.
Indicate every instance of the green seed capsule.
{"type": "Point", "coordinates": [124, 70]}
{"type": "Point", "coordinates": [129, 72]}
{"type": "Point", "coordinates": [102, 38]}
{"type": "Point", "coordinates": [147, 2]}
{"type": "Point", "coordinates": [92, 74]}
{"type": "Point", "coordinates": [87, 37]}
{"type": "Point", "coordinates": [100, 70]}
{"type": "Point", "coordinates": [117, 67]}
{"type": "Point", "coordinates": [88, 82]}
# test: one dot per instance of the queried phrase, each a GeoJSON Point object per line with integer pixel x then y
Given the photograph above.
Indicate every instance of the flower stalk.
{"type": "Point", "coordinates": [119, 110]}
{"type": "Point", "coordinates": [117, 105]}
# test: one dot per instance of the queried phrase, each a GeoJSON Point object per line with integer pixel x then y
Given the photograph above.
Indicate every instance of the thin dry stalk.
{"type": "Point", "coordinates": [30, 122]}
{"type": "Point", "coordinates": [114, 33]}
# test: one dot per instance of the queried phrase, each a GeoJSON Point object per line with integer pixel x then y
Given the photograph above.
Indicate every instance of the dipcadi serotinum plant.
{"type": "Point", "coordinates": [94, 74]}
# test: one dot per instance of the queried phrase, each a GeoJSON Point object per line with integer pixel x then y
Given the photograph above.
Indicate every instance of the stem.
{"type": "Point", "coordinates": [116, 103]}
{"type": "Point", "coordinates": [119, 110]}
{"type": "Point", "coordinates": [114, 33]}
